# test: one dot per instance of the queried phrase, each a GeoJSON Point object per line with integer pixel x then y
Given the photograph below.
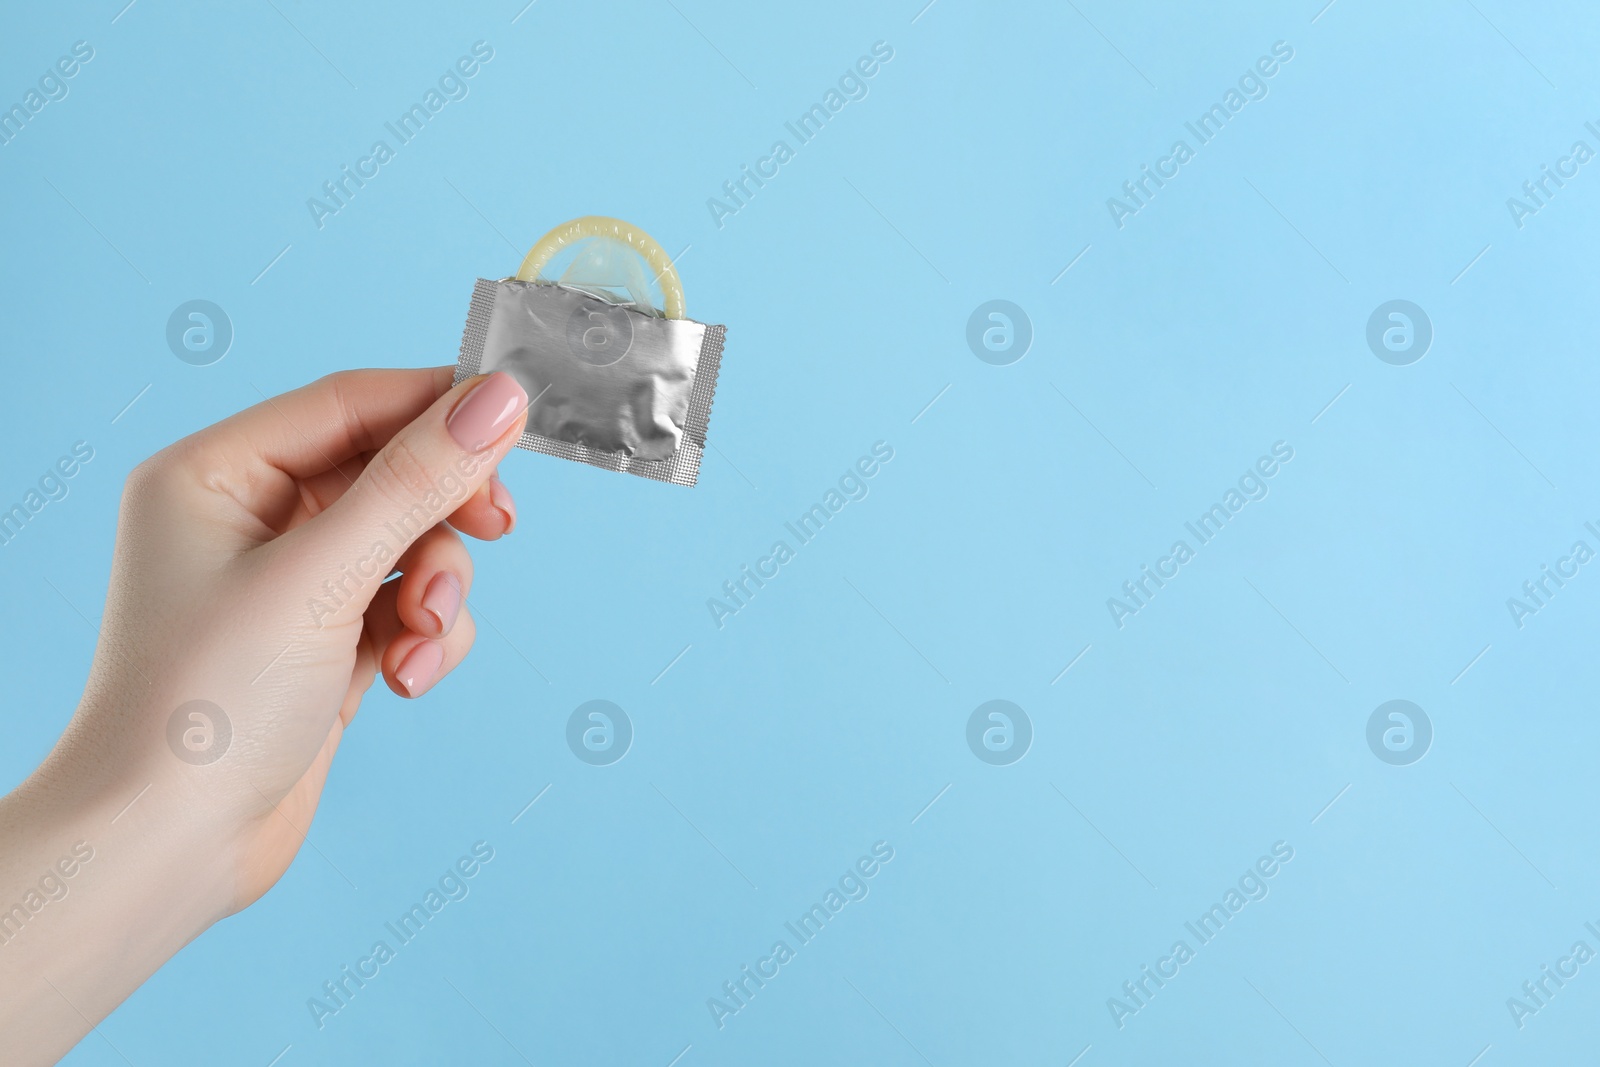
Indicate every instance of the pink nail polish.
{"type": "Point", "coordinates": [442, 600]}
{"type": "Point", "coordinates": [500, 497]}
{"type": "Point", "coordinates": [487, 412]}
{"type": "Point", "coordinates": [417, 671]}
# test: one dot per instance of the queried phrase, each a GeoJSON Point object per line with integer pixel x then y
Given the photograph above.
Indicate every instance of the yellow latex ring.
{"type": "Point", "coordinates": [546, 248]}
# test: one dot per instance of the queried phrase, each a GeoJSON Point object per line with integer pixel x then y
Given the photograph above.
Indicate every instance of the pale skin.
{"type": "Point", "coordinates": [249, 572]}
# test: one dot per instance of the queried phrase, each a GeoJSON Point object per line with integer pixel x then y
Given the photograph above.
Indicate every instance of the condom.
{"type": "Point", "coordinates": [616, 374]}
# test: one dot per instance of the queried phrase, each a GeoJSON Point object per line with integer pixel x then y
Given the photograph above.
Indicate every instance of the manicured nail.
{"type": "Point", "coordinates": [487, 412]}
{"type": "Point", "coordinates": [442, 600]}
{"type": "Point", "coordinates": [417, 671]}
{"type": "Point", "coordinates": [500, 497]}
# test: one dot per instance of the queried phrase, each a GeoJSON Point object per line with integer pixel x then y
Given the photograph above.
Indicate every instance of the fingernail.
{"type": "Point", "coordinates": [500, 497]}
{"type": "Point", "coordinates": [442, 600]}
{"type": "Point", "coordinates": [487, 412]}
{"type": "Point", "coordinates": [416, 672]}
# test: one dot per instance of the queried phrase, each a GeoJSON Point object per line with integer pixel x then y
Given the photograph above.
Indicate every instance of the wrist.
{"type": "Point", "coordinates": [144, 817]}
{"type": "Point", "coordinates": [99, 886]}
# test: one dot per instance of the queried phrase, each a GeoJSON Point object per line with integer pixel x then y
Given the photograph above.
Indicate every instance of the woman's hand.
{"type": "Point", "coordinates": [248, 613]}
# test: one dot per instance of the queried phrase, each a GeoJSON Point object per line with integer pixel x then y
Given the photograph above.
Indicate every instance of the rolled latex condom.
{"type": "Point", "coordinates": [612, 258]}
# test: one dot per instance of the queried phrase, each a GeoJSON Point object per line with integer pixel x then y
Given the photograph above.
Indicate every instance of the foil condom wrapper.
{"type": "Point", "coordinates": [607, 385]}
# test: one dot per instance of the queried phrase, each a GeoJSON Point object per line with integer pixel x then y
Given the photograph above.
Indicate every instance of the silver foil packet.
{"type": "Point", "coordinates": [607, 384]}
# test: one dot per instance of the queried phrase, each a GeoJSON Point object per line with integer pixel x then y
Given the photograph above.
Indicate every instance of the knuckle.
{"type": "Point", "coordinates": [401, 475]}
{"type": "Point", "coordinates": [340, 386]}
{"type": "Point", "coordinates": [142, 478]}
{"type": "Point", "coordinates": [340, 390]}
{"type": "Point", "coordinates": [153, 477]}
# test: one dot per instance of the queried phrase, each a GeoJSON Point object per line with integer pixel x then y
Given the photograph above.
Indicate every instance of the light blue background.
{"type": "Point", "coordinates": [1223, 718]}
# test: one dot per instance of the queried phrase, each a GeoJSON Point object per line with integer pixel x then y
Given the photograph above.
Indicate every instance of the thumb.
{"type": "Point", "coordinates": [416, 480]}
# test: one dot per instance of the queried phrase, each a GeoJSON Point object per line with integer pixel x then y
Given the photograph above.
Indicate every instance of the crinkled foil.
{"type": "Point", "coordinates": [608, 386]}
